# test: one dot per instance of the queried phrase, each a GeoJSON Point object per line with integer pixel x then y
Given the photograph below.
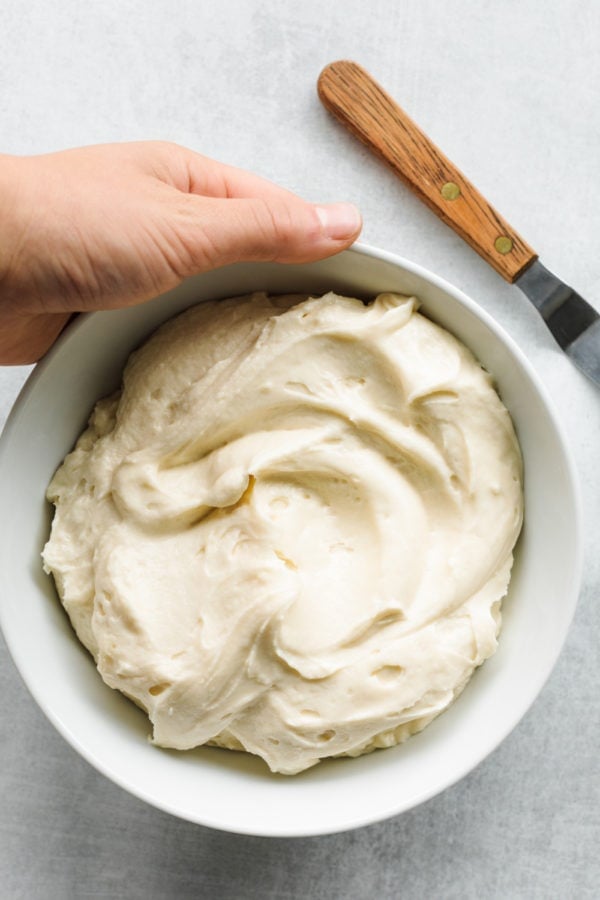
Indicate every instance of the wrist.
{"type": "Point", "coordinates": [10, 178]}
{"type": "Point", "coordinates": [24, 335]}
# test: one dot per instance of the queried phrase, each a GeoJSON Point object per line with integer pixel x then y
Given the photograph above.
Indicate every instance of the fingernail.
{"type": "Point", "coordinates": [339, 220]}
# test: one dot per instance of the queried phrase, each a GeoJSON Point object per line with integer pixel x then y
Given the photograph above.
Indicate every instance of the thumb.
{"type": "Point", "coordinates": [278, 228]}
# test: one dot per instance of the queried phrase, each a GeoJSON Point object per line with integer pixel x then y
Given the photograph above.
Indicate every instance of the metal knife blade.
{"type": "Point", "coordinates": [574, 324]}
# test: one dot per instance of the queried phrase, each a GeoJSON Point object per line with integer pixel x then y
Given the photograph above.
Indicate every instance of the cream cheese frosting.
{"type": "Point", "coordinates": [291, 530]}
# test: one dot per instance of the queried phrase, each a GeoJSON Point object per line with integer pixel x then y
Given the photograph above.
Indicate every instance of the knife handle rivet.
{"type": "Point", "coordinates": [450, 191]}
{"type": "Point", "coordinates": [503, 244]}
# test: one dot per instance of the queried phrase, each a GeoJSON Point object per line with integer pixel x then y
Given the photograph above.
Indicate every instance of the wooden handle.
{"type": "Point", "coordinates": [349, 92]}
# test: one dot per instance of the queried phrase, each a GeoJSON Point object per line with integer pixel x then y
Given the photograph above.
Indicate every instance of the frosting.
{"type": "Point", "coordinates": [290, 532]}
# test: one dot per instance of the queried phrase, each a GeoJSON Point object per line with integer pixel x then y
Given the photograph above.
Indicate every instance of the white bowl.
{"type": "Point", "coordinates": [235, 791]}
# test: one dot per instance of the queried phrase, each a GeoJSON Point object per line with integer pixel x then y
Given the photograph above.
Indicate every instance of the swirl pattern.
{"type": "Point", "coordinates": [290, 532]}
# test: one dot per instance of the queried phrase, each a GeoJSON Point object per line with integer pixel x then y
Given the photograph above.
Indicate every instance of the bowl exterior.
{"type": "Point", "coordinates": [231, 791]}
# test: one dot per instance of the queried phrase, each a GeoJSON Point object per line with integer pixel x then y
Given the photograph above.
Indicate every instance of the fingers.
{"type": "Point", "coordinates": [279, 227]}
{"type": "Point", "coordinates": [25, 339]}
{"type": "Point", "coordinates": [207, 177]}
{"type": "Point", "coordinates": [234, 215]}
{"type": "Point", "coordinates": [210, 178]}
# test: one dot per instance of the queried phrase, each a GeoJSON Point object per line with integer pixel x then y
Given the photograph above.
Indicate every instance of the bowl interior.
{"type": "Point", "coordinates": [235, 791]}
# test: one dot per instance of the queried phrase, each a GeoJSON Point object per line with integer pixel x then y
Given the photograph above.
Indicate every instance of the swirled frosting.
{"type": "Point", "coordinates": [290, 532]}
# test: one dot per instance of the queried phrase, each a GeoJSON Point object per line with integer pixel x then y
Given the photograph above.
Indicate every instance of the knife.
{"type": "Point", "coordinates": [361, 104]}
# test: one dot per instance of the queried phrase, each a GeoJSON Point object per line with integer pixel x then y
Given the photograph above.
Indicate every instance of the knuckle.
{"type": "Point", "coordinates": [278, 226]}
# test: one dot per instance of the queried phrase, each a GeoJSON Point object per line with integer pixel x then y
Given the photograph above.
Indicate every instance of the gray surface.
{"type": "Point", "coordinates": [510, 91]}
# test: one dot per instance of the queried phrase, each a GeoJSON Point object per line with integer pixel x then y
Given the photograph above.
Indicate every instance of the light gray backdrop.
{"type": "Point", "coordinates": [511, 92]}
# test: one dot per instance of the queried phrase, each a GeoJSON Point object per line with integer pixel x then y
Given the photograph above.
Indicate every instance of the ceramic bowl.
{"type": "Point", "coordinates": [235, 791]}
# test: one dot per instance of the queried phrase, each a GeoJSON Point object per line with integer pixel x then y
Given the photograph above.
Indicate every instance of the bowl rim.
{"type": "Point", "coordinates": [396, 807]}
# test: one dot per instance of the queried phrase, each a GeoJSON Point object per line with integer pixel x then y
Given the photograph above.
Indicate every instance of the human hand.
{"type": "Point", "coordinates": [116, 224]}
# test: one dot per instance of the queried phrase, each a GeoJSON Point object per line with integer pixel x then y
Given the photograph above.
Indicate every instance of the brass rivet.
{"type": "Point", "coordinates": [503, 244]}
{"type": "Point", "coordinates": [450, 191]}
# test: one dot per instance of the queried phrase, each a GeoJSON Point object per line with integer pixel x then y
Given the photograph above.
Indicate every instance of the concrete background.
{"type": "Point", "coordinates": [510, 92]}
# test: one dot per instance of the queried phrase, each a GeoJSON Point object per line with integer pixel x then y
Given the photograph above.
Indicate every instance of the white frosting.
{"type": "Point", "coordinates": [291, 531]}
